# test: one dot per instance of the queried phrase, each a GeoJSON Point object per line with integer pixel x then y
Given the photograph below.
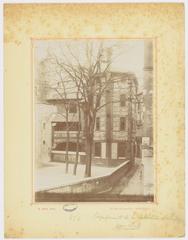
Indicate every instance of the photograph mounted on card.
{"type": "Point", "coordinates": [94, 120]}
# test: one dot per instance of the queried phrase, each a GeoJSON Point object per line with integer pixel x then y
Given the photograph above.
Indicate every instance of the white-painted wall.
{"type": "Point", "coordinates": [103, 155]}
{"type": "Point", "coordinates": [43, 115]}
{"type": "Point", "coordinates": [114, 150]}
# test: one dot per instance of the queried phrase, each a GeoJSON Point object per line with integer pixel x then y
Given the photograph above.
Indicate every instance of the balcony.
{"type": "Point", "coordinates": [62, 135]}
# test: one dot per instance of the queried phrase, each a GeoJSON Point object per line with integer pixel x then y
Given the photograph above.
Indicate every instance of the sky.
{"type": "Point", "coordinates": [127, 55]}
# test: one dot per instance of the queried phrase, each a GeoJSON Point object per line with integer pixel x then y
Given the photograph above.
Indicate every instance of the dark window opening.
{"type": "Point", "coordinates": [97, 149]}
{"type": "Point", "coordinates": [98, 101]}
{"type": "Point", "coordinates": [98, 81]}
{"type": "Point", "coordinates": [44, 142]}
{"type": "Point", "coordinates": [97, 124]}
{"type": "Point", "coordinates": [121, 149]}
{"type": "Point", "coordinates": [72, 108]}
{"type": "Point", "coordinates": [133, 125]}
{"type": "Point", "coordinates": [122, 123]}
{"type": "Point", "coordinates": [122, 100]}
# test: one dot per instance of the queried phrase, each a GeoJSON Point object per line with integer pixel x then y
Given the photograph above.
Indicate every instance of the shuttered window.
{"type": "Point", "coordinates": [122, 100]}
{"type": "Point", "coordinates": [121, 149]}
{"type": "Point", "coordinates": [97, 149]}
{"type": "Point", "coordinates": [72, 108]}
{"type": "Point", "coordinates": [122, 123]}
{"type": "Point", "coordinates": [97, 124]}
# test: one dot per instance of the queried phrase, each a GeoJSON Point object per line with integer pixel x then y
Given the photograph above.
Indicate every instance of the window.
{"type": "Point", "coordinates": [122, 123]}
{"type": "Point", "coordinates": [121, 149]}
{"type": "Point", "coordinates": [134, 125]}
{"type": "Point", "coordinates": [98, 101]}
{"type": "Point", "coordinates": [98, 84]}
{"type": "Point", "coordinates": [97, 124]}
{"type": "Point", "coordinates": [72, 108]}
{"type": "Point", "coordinates": [122, 100]}
{"type": "Point", "coordinates": [98, 81]}
{"type": "Point", "coordinates": [97, 149]}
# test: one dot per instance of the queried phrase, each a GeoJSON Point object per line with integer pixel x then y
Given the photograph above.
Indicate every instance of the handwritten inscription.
{"type": "Point", "coordinates": [133, 220]}
{"type": "Point", "coordinates": [128, 220]}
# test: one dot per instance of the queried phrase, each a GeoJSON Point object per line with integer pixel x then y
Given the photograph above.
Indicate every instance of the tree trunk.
{"type": "Point", "coordinates": [89, 155]}
{"type": "Point", "coordinates": [89, 148]}
{"type": "Point", "coordinates": [89, 133]}
{"type": "Point", "coordinates": [67, 143]}
{"type": "Point", "coordinates": [77, 140]}
{"type": "Point", "coordinates": [77, 153]}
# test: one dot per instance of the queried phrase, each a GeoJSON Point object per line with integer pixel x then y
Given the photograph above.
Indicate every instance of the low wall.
{"type": "Point", "coordinates": [95, 184]}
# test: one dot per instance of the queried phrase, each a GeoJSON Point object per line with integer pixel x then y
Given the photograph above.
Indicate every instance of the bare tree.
{"type": "Point", "coordinates": [90, 89]}
{"type": "Point", "coordinates": [78, 133]}
{"type": "Point", "coordinates": [92, 81]}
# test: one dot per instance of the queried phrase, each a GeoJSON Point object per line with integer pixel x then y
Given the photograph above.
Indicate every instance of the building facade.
{"type": "Point", "coordinates": [148, 94]}
{"type": "Point", "coordinates": [115, 136]}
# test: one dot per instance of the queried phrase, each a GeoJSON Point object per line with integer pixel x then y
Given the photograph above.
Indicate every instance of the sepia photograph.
{"type": "Point", "coordinates": [93, 120]}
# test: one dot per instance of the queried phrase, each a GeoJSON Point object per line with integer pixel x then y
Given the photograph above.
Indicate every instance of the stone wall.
{"type": "Point", "coordinates": [95, 184]}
